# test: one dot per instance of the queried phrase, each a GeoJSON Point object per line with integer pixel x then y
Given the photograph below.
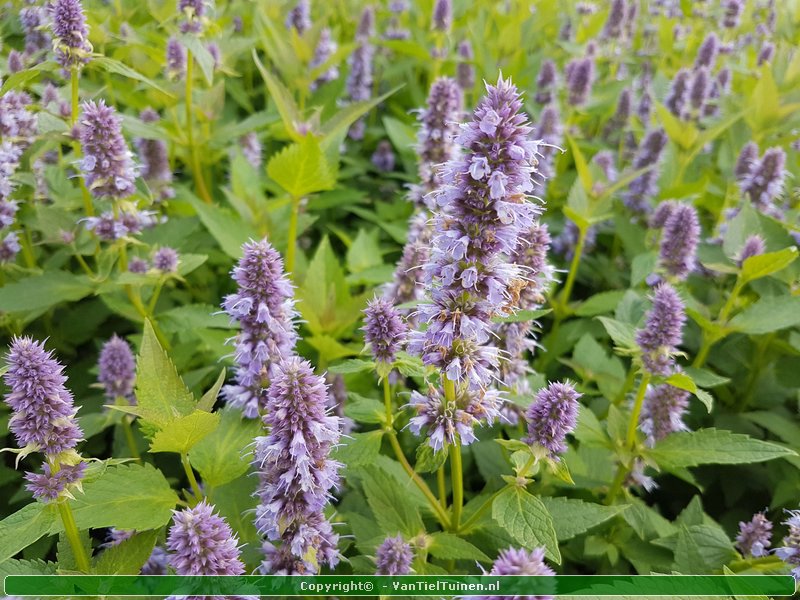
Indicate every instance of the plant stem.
{"type": "Point", "coordinates": [457, 481]}
{"type": "Point", "coordinates": [573, 269]}
{"type": "Point", "coordinates": [480, 512]}
{"type": "Point", "coordinates": [291, 244]}
{"type": "Point", "coordinates": [442, 488]}
{"type": "Point", "coordinates": [199, 181]}
{"type": "Point", "coordinates": [154, 299]}
{"type": "Point", "coordinates": [709, 339]}
{"type": "Point", "coordinates": [387, 401]}
{"type": "Point", "coordinates": [71, 529]}
{"type": "Point", "coordinates": [128, 430]}
{"type": "Point", "coordinates": [190, 475]}
{"type": "Point", "coordinates": [73, 79]}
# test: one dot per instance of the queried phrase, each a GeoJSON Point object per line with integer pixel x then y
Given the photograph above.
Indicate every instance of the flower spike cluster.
{"type": "Point", "coordinates": [520, 561]}
{"type": "Point", "coordinates": [553, 414]}
{"type": "Point", "coordinates": [70, 33]}
{"type": "Point", "coordinates": [662, 412]}
{"type": "Point", "coordinates": [384, 330]}
{"type": "Point", "coordinates": [394, 556]}
{"type": "Point", "coordinates": [790, 551]}
{"type": "Point", "coordinates": [117, 369]}
{"type": "Point", "coordinates": [663, 331]}
{"type": "Point", "coordinates": [107, 162]}
{"type": "Point", "coordinates": [754, 536]}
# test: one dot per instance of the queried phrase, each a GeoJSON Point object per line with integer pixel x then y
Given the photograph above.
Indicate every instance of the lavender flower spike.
{"type": "Point", "coordinates": [326, 47]}
{"type": "Point", "coordinates": [663, 330]}
{"type": "Point", "coordinates": [482, 212]}
{"type": "Point", "coordinates": [394, 556]}
{"type": "Point", "coordinates": [643, 188]}
{"type": "Point", "coordinates": [442, 15]}
{"type": "Point", "coordinates": [580, 77]}
{"type": "Point", "coordinates": [251, 149]}
{"type": "Point", "coordinates": [176, 58]}
{"type": "Point", "coordinates": [678, 92]}
{"type": "Point", "coordinates": [465, 71]}
{"type": "Point", "coordinates": [264, 307]}
{"type": "Point", "coordinates": [553, 414]}
{"type": "Point", "coordinates": [616, 19]}
{"type": "Point", "coordinates": [546, 82]}
{"type": "Point", "coordinates": [679, 241]}
{"type": "Point", "coordinates": [662, 412]}
{"type": "Point", "coordinates": [520, 561]}
{"type": "Point", "coordinates": [765, 181]}
{"type": "Point", "coordinates": [71, 33]}
{"type": "Point", "coordinates": [200, 542]}
{"type": "Point", "coordinates": [296, 471]}
{"type": "Point", "coordinates": [107, 162]}
{"type": "Point", "coordinates": [384, 330]}
{"type": "Point", "coordinates": [790, 551]}
{"type": "Point", "coordinates": [753, 246]}
{"type": "Point", "coordinates": [746, 163]}
{"type": "Point", "coordinates": [154, 159]}
{"type": "Point", "coordinates": [359, 79]}
{"type": "Point", "coordinates": [299, 18]}
{"type": "Point", "coordinates": [707, 53]}
{"type": "Point", "coordinates": [117, 369]}
{"type": "Point", "coordinates": [754, 536]}
{"type": "Point", "coordinates": [166, 260]}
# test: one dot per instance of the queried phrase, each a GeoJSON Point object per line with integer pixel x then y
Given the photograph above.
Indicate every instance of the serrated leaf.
{"type": "Point", "coordinates": [768, 263]}
{"type": "Point", "coordinates": [598, 304]}
{"type": "Point", "coordinates": [183, 433]}
{"type": "Point", "coordinates": [359, 449]}
{"type": "Point", "coordinates": [527, 520]}
{"type": "Point", "coordinates": [681, 381]}
{"type": "Point", "coordinates": [41, 292]}
{"type": "Point", "coordinates": [301, 168]}
{"type": "Point", "coordinates": [623, 334]}
{"type": "Point", "coordinates": [353, 365]}
{"type": "Point", "coordinates": [24, 527]}
{"type": "Point", "coordinates": [706, 398]}
{"type": "Point", "coordinates": [161, 394]}
{"type": "Point", "coordinates": [227, 227]}
{"type": "Point", "coordinates": [287, 108]}
{"type": "Point", "coordinates": [390, 503]}
{"type": "Point", "coordinates": [210, 397]}
{"type": "Point", "coordinates": [713, 446]}
{"type": "Point", "coordinates": [428, 460]}
{"type": "Point", "coordinates": [573, 517]}
{"type": "Point", "coordinates": [451, 547]}
{"type": "Point", "coordinates": [128, 557]}
{"type": "Point", "coordinates": [26, 567]}
{"type": "Point", "coordinates": [768, 314]}
{"type": "Point", "coordinates": [225, 454]}
{"type": "Point", "coordinates": [64, 553]}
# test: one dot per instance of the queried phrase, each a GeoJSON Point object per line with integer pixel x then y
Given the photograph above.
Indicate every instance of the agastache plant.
{"type": "Point", "coordinates": [359, 79]}
{"type": "Point", "coordinates": [70, 33]}
{"type": "Point", "coordinates": [394, 556]}
{"type": "Point", "coordinates": [754, 536]}
{"type": "Point", "coordinates": [520, 561]}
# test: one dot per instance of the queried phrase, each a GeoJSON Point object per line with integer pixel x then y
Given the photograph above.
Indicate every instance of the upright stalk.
{"type": "Point", "coordinates": [456, 472]}
{"type": "Point", "coordinates": [71, 529]}
{"type": "Point", "coordinates": [199, 181]}
{"type": "Point", "coordinates": [291, 244]}
{"type": "Point", "coordinates": [190, 475]}
{"type": "Point", "coordinates": [573, 269]}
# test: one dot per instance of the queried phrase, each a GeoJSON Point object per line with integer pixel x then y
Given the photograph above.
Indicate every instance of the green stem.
{"type": "Point", "coordinates": [151, 307]}
{"type": "Point", "coordinates": [457, 481]}
{"type": "Point", "coordinates": [709, 339]}
{"type": "Point", "coordinates": [387, 402]}
{"type": "Point", "coordinates": [190, 475]}
{"type": "Point", "coordinates": [481, 510]}
{"type": "Point", "coordinates": [73, 79]}
{"type": "Point", "coordinates": [199, 181]}
{"type": "Point", "coordinates": [71, 529]}
{"type": "Point", "coordinates": [128, 430]}
{"type": "Point", "coordinates": [440, 481]}
{"type": "Point", "coordinates": [291, 245]}
{"type": "Point", "coordinates": [573, 269]}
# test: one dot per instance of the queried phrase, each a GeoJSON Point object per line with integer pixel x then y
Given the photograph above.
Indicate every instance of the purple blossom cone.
{"type": "Point", "coordinates": [107, 163]}
{"type": "Point", "coordinates": [733, 12]}
{"type": "Point", "coordinates": [662, 412]}
{"type": "Point", "coordinates": [580, 78]}
{"type": "Point", "coordinates": [117, 369]}
{"type": "Point", "coordinates": [663, 330]}
{"type": "Point", "coordinates": [383, 158]}
{"type": "Point", "coordinates": [264, 307]}
{"type": "Point", "coordinates": [18, 124]}
{"type": "Point", "coordinates": [48, 486]}
{"type": "Point", "coordinates": [465, 71]}
{"type": "Point", "coordinates": [359, 79]}
{"type": "Point", "coordinates": [384, 330]}
{"type": "Point", "coordinates": [790, 551]}
{"type": "Point", "coordinates": [200, 542]}
{"type": "Point", "coordinates": [251, 149]}
{"type": "Point", "coordinates": [166, 260]}
{"type": "Point", "coordinates": [754, 536]}
{"type": "Point", "coordinates": [678, 92]}
{"type": "Point", "coordinates": [394, 556]}
{"type": "Point", "coordinates": [679, 241]}
{"type": "Point", "coordinates": [299, 18]}
{"type": "Point", "coordinates": [442, 15]}
{"type": "Point", "coordinates": [616, 19]}
{"type": "Point", "coordinates": [707, 53]}
{"type": "Point", "coordinates": [176, 58]}
{"type": "Point", "coordinates": [753, 246]}
{"type": "Point", "coordinates": [550, 130]}
{"type": "Point", "coordinates": [553, 414]}
{"type": "Point", "coordinates": [766, 178]}
{"type": "Point", "coordinates": [326, 47]}
{"type": "Point", "coordinates": [296, 471]}
{"type": "Point", "coordinates": [643, 188]}
{"type": "Point", "coordinates": [33, 20]}
{"type": "Point", "coordinates": [546, 81]}
{"type": "Point", "coordinates": [154, 159]}
{"type": "Point", "coordinates": [70, 32]}
{"type": "Point", "coordinates": [43, 412]}
{"type": "Point", "coordinates": [746, 163]}
{"type": "Point", "coordinates": [520, 561]}
{"type": "Point", "coordinates": [482, 212]}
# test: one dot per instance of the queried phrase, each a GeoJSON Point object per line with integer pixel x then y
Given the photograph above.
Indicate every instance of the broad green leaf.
{"type": "Point", "coordinates": [573, 517]}
{"type": "Point", "coordinates": [230, 231]}
{"type": "Point", "coordinates": [114, 66]}
{"type": "Point", "coordinates": [128, 557]}
{"type": "Point", "coordinates": [301, 168]}
{"type": "Point", "coordinates": [359, 449]}
{"type": "Point", "coordinates": [604, 302]}
{"type": "Point", "coordinates": [287, 108]}
{"type": "Point", "coordinates": [449, 546]}
{"type": "Point", "coordinates": [161, 394]}
{"type": "Point", "coordinates": [364, 252]}
{"type": "Point", "coordinates": [706, 378]}
{"type": "Point", "coordinates": [680, 132]}
{"type": "Point", "coordinates": [410, 366]}
{"type": "Point", "coordinates": [41, 292]}
{"type": "Point", "coordinates": [706, 398]}
{"type": "Point", "coordinates": [762, 265]}
{"type": "Point", "coordinates": [199, 53]}
{"type": "Point", "coordinates": [768, 314]}
{"type": "Point", "coordinates": [623, 334]}
{"type": "Point", "coordinates": [764, 102]}
{"type": "Point", "coordinates": [20, 78]}
{"type": "Point", "coordinates": [364, 410]}
{"type": "Point", "coordinates": [353, 365]}
{"type": "Point", "coordinates": [65, 557]}
{"type": "Point", "coordinates": [225, 454]}
{"type": "Point", "coordinates": [183, 433]}
{"type": "Point", "coordinates": [526, 519]}
{"type": "Point", "coordinates": [24, 527]}
{"type": "Point", "coordinates": [403, 135]}
{"type": "Point", "coordinates": [581, 165]}
{"type": "Point", "coordinates": [713, 446]}
{"type": "Point", "coordinates": [390, 503]}
{"type": "Point", "coordinates": [779, 424]}
{"type": "Point", "coordinates": [682, 381]}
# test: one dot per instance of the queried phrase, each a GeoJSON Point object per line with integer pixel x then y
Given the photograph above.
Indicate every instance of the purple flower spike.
{"type": "Point", "coordinates": [44, 414]}
{"type": "Point", "coordinates": [662, 213]}
{"type": "Point", "coordinates": [765, 180]}
{"type": "Point", "coordinates": [34, 21]}
{"type": "Point", "coordinates": [384, 330]}
{"type": "Point", "coordinates": [251, 149]}
{"type": "Point", "coordinates": [407, 284]}
{"type": "Point", "coordinates": [662, 412]}
{"type": "Point", "coordinates": [699, 91]}
{"type": "Point", "coordinates": [754, 536]}
{"type": "Point", "coordinates": [790, 551]}
{"type": "Point", "coordinates": [193, 12]}
{"type": "Point", "coordinates": [16, 61]}
{"type": "Point", "coordinates": [766, 53]}
{"type": "Point", "coordinates": [442, 15]}
{"type": "Point", "coordinates": [296, 471]}
{"type": "Point", "coordinates": [176, 58]}
{"type": "Point", "coordinates": [326, 47]}
{"type": "Point", "coordinates": [747, 162]}
{"type": "Point", "coordinates": [707, 52]}
{"type": "Point", "coordinates": [117, 369]}
{"type": "Point", "coordinates": [580, 78]}
{"type": "Point", "coordinates": [546, 82]}
{"type": "Point", "coordinates": [394, 556]}
{"type": "Point", "coordinates": [753, 246]}
{"type": "Point", "coordinates": [678, 92]}
{"type": "Point", "coordinates": [71, 33]}
{"type": "Point", "coordinates": [616, 19]}
{"type": "Point", "coordinates": [17, 122]}
{"type": "Point", "coordinates": [733, 12]}
{"type": "Point", "coordinates": [138, 265]}
{"type": "Point", "coordinates": [553, 414]}
{"type": "Point", "coordinates": [679, 241]}
{"type": "Point", "coordinates": [200, 542]}
{"type": "Point", "coordinates": [643, 188]}
{"type": "Point", "coordinates": [520, 561]}
{"type": "Point", "coordinates": [663, 331]}
{"type": "Point", "coordinates": [166, 260]}
{"type": "Point", "coordinates": [359, 79]}
{"type": "Point", "coordinates": [107, 162]}
{"type": "Point", "coordinates": [299, 18]}
{"type": "Point", "coordinates": [465, 71]}
{"type": "Point", "coordinates": [264, 307]}
{"type": "Point", "coordinates": [154, 159]}
{"type": "Point", "coordinates": [383, 158]}
{"type": "Point", "coordinates": [48, 486]}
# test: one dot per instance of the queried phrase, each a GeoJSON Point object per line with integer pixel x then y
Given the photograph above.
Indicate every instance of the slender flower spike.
{"type": "Point", "coordinates": [117, 369]}
{"type": "Point", "coordinates": [746, 163]}
{"type": "Point", "coordinates": [663, 330]}
{"type": "Point", "coordinates": [296, 471]}
{"type": "Point", "coordinates": [615, 20]}
{"type": "Point", "coordinates": [383, 158]}
{"type": "Point", "coordinates": [394, 556]}
{"type": "Point", "coordinates": [678, 92]}
{"type": "Point", "coordinates": [154, 159]}
{"type": "Point", "coordinates": [299, 18]}
{"type": "Point", "coordinates": [580, 78]}
{"type": "Point", "coordinates": [443, 15]}
{"type": "Point", "coordinates": [384, 330]}
{"type": "Point", "coordinates": [176, 58]}
{"type": "Point", "coordinates": [679, 241]}
{"type": "Point", "coordinates": [482, 212]}
{"type": "Point", "coordinates": [754, 536]}
{"type": "Point", "coordinates": [34, 20]}
{"type": "Point", "coordinates": [765, 180]}
{"type": "Point", "coordinates": [643, 188]}
{"type": "Point", "coordinates": [264, 307]}
{"type": "Point", "coordinates": [707, 53]}
{"type": "Point", "coordinates": [520, 561]}
{"type": "Point", "coordinates": [546, 82]}
{"type": "Point", "coordinates": [553, 414]}
{"type": "Point", "coordinates": [326, 47]}
{"type": "Point", "coordinates": [70, 33]}
{"type": "Point", "coordinates": [662, 412]}
{"type": "Point", "coordinates": [465, 71]}
{"type": "Point", "coordinates": [251, 149]}
{"type": "Point", "coordinates": [359, 79]}
{"type": "Point", "coordinates": [753, 246]}
{"type": "Point", "coordinates": [193, 12]}
{"type": "Point", "coordinates": [733, 12]}
{"type": "Point", "coordinates": [200, 542]}
{"type": "Point", "coordinates": [790, 551]}
{"type": "Point", "coordinates": [107, 162]}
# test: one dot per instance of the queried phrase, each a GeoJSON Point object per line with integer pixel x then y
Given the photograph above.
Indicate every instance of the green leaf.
{"type": "Point", "coordinates": [451, 547]}
{"type": "Point", "coordinates": [225, 454]}
{"type": "Point", "coordinates": [228, 228]}
{"type": "Point", "coordinates": [26, 567]}
{"type": "Point", "coordinates": [706, 398]}
{"type": "Point", "coordinates": [24, 527]}
{"type": "Point", "coordinates": [210, 397]}
{"type": "Point", "coordinates": [287, 108]}
{"type": "Point", "coordinates": [128, 496]}
{"type": "Point", "coordinates": [526, 519]}
{"type": "Point", "coordinates": [682, 381]}
{"type": "Point", "coordinates": [161, 394]}
{"type": "Point", "coordinates": [301, 168]}
{"type": "Point", "coordinates": [20, 78]}
{"type": "Point", "coordinates": [64, 554]}
{"type": "Point", "coordinates": [364, 410]}
{"type": "Point", "coordinates": [365, 251]}
{"type": "Point", "coordinates": [360, 449]}
{"type": "Point", "coordinates": [128, 557]}
{"type": "Point", "coordinates": [353, 365]}
{"type": "Point", "coordinates": [429, 460]}
{"type": "Point", "coordinates": [779, 424]}
{"type": "Point", "coordinates": [767, 315]}
{"type": "Point", "coordinates": [574, 517]}
{"type": "Point", "coordinates": [200, 53]}
{"type": "Point", "coordinates": [762, 265]}
{"type": "Point", "coordinates": [183, 433]}
{"type": "Point", "coordinates": [604, 302]}
{"type": "Point", "coordinates": [764, 102]}
{"type": "Point", "coordinates": [680, 132]}
{"type": "Point", "coordinates": [623, 334]}
{"type": "Point", "coordinates": [581, 165]}
{"type": "Point", "coordinates": [706, 378]}
{"type": "Point", "coordinates": [410, 366]}
{"type": "Point", "coordinates": [38, 293]}
{"type": "Point", "coordinates": [713, 446]}
{"type": "Point", "coordinates": [114, 66]}
{"type": "Point", "coordinates": [390, 503]}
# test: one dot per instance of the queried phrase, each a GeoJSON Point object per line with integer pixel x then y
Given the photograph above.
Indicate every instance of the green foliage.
{"type": "Point", "coordinates": [527, 520]}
